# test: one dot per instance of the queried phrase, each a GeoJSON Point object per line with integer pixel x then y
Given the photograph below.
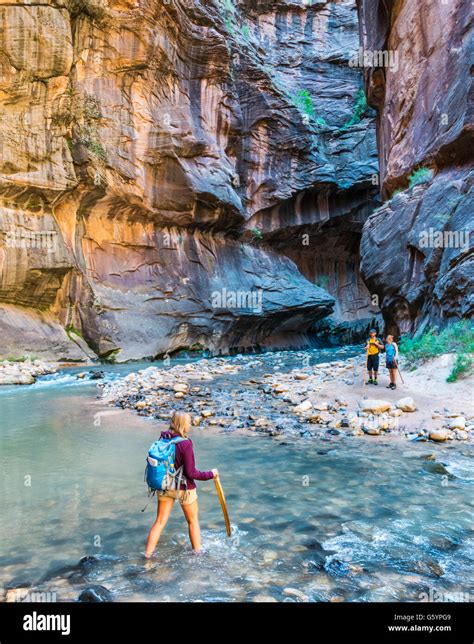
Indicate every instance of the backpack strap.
{"type": "Point", "coordinates": [178, 439]}
{"type": "Point", "coordinates": [179, 476]}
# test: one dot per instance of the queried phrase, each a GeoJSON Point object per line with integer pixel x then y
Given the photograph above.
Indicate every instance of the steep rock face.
{"type": "Point", "coordinates": [416, 251]}
{"type": "Point", "coordinates": [140, 140]}
{"type": "Point", "coordinates": [320, 226]}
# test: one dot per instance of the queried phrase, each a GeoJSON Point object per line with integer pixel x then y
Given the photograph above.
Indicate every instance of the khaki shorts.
{"type": "Point", "coordinates": [185, 497]}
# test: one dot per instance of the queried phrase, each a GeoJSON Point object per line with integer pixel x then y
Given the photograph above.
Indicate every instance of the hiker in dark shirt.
{"type": "Point", "coordinates": [186, 495]}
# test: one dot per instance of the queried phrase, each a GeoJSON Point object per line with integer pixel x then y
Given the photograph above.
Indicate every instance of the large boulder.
{"type": "Point", "coordinates": [374, 406]}
{"type": "Point", "coordinates": [406, 404]}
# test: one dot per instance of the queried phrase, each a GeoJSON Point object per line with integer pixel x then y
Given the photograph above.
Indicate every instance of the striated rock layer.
{"type": "Point", "coordinates": [142, 144]}
{"type": "Point", "coordinates": [416, 251]}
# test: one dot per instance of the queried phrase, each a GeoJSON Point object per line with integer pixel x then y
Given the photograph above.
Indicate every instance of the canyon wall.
{"type": "Point", "coordinates": [164, 164]}
{"type": "Point", "coordinates": [417, 249]}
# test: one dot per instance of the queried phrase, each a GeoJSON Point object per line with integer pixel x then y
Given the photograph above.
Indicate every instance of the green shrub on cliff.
{"type": "Point", "coordinates": [458, 338]}
{"type": "Point", "coordinates": [257, 234]}
{"type": "Point", "coordinates": [303, 101]}
{"type": "Point", "coordinates": [89, 137]}
{"type": "Point", "coordinates": [71, 330]}
{"type": "Point", "coordinates": [422, 175]}
{"type": "Point", "coordinates": [360, 108]}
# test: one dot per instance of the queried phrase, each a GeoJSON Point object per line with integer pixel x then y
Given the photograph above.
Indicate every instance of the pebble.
{"type": "Point", "coordinates": [458, 423]}
{"type": "Point", "coordinates": [304, 406]}
{"type": "Point", "coordinates": [294, 592]}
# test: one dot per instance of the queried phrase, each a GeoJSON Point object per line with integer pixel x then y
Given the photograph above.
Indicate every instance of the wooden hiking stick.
{"type": "Point", "coordinates": [400, 373]}
{"type": "Point", "coordinates": [220, 494]}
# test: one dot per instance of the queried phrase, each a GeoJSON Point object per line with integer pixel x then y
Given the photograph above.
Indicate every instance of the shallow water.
{"type": "Point", "coordinates": [354, 519]}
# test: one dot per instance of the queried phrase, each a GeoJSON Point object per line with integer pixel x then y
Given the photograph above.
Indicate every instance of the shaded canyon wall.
{"type": "Point", "coordinates": [159, 155]}
{"type": "Point", "coordinates": [417, 249]}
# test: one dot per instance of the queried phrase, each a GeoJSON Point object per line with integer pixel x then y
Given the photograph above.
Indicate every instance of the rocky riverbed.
{"type": "Point", "coordinates": [326, 400]}
{"type": "Point", "coordinates": [335, 514]}
{"type": "Point", "coordinates": [24, 372]}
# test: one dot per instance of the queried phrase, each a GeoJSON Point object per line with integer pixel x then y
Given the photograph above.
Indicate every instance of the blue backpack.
{"type": "Point", "coordinates": [160, 472]}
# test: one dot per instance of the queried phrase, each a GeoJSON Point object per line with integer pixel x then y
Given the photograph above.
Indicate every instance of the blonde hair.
{"type": "Point", "coordinates": [180, 423]}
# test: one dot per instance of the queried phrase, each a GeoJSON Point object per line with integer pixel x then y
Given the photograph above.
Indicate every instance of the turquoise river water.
{"type": "Point", "coordinates": [354, 520]}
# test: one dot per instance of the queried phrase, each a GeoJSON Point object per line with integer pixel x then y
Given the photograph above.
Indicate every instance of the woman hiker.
{"type": "Point", "coordinates": [187, 496]}
{"type": "Point", "coordinates": [391, 350]}
{"type": "Point", "coordinates": [372, 348]}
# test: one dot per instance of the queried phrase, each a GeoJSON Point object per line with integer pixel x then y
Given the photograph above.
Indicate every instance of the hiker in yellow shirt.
{"type": "Point", "coordinates": [372, 348]}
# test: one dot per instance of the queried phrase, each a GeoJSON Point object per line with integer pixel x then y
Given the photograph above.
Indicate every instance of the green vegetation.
{"type": "Point", "coordinates": [24, 358]}
{"type": "Point", "coordinates": [229, 26]}
{"type": "Point", "coordinates": [457, 338]}
{"type": "Point", "coordinates": [71, 329]}
{"type": "Point", "coordinates": [89, 137]}
{"type": "Point", "coordinates": [257, 234]}
{"type": "Point", "coordinates": [360, 108]}
{"type": "Point", "coordinates": [245, 32]}
{"type": "Point", "coordinates": [322, 281]}
{"type": "Point", "coordinates": [463, 366]}
{"type": "Point", "coordinates": [422, 175]}
{"type": "Point", "coordinates": [303, 101]}
{"type": "Point", "coordinates": [95, 9]}
{"type": "Point", "coordinates": [91, 107]}
{"type": "Point", "coordinates": [228, 6]}
{"type": "Point", "coordinates": [228, 14]}
{"type": "Point", "coordinates": [110, 356]}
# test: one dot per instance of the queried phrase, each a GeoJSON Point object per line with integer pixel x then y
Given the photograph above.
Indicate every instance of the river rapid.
{"type": "Point", "coordinates": [313, 519]}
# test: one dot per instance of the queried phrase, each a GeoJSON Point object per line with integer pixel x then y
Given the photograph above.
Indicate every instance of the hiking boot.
{"type": "Point", "coordinates": [375, 382]}
{"type": "Point", "coordinates": [389, 386]}
{"type": "Point", "coordinates": [370, 381]}
{"type": "Point", "coordinates": [394, 386]}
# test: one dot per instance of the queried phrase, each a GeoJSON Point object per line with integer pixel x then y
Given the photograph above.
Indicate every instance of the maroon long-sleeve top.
{"type": "Point", "coordinates": [185, 456]}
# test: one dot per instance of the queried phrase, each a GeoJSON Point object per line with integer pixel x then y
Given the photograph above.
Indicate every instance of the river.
{"type": "Point", "coordinates": [313, 520]}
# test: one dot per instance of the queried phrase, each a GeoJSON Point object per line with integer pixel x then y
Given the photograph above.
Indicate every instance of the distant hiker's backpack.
{"type": "Point", "coordinates": [160, 471]}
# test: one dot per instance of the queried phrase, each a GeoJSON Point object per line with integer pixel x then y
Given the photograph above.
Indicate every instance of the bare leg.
{"type": "Point", "coordinates": [162, 515]}
{"type": "Point", "coordinates": [191, 514]}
